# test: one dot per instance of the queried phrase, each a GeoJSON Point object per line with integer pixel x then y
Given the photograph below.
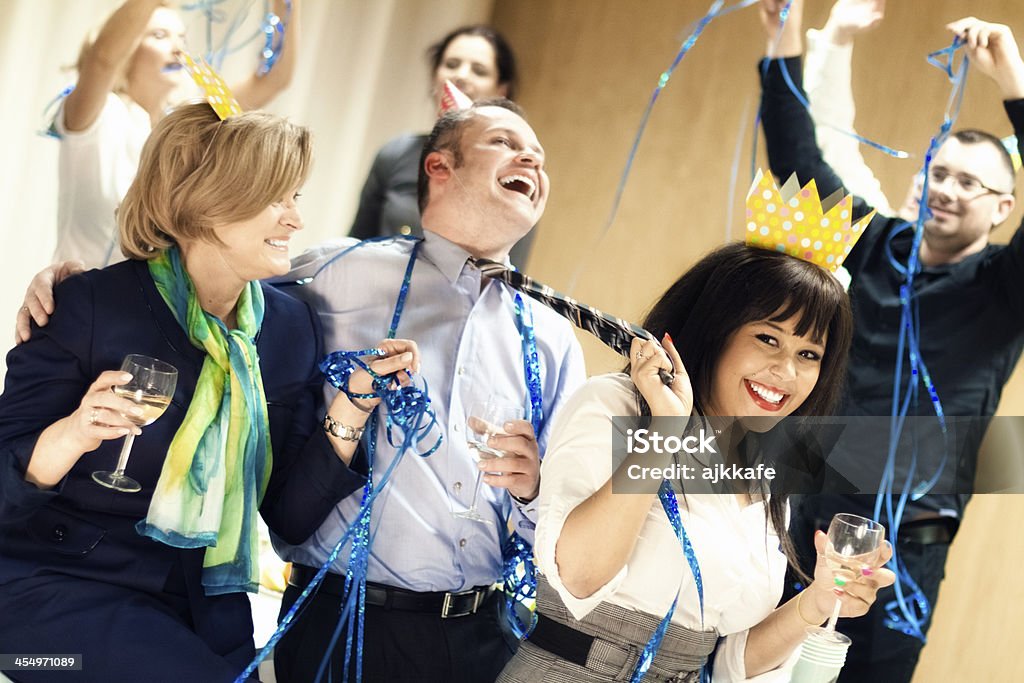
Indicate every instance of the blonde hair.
{"type": "Point", "coordinates": [121, 78]}
{"type": "Point", "coordinates": [197, 172]}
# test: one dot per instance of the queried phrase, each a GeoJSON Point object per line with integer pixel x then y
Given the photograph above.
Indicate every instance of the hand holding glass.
{"type": "Point", "coordinates": [853, 545]}
{"type": "Point", "coordinates": [151, 387]}
{"type": "Point", "coordinates": [486, 419]}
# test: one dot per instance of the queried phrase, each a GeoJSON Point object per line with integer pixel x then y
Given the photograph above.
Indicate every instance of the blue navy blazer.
{"type": "Point", "coordinates": [81, 529]}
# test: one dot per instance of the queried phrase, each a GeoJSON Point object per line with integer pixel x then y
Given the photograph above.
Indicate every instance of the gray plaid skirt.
{"type": "Point", "coordinates": [619, 637]}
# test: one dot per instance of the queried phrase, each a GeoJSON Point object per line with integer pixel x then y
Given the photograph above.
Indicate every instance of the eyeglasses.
{"type": "Point", "coordinates": [966, 185]}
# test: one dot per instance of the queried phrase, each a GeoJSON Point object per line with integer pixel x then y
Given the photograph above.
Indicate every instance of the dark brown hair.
{"type": "Point", "coordinates": [738, 284]}
{"type": "Point", "coordinates": [504, 58]}
{"type": "Point", "coordinates": [447, 135]}
{"type": "Point", "coordinates": [973, 136]}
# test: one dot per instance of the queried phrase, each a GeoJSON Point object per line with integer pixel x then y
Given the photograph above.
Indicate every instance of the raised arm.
{"type": "Point", "coordinates": [993, 50]}
{"type": "Point", "coordinates": [828, 82]}
{"type": "Point", "coordinates": [788, 128]}
{"type": "Point", "coordinates": [103, 62]}
{"type": "Point", "coordinates": [611, 522]}
{"type": "Point", "coordinates": [257, 91]}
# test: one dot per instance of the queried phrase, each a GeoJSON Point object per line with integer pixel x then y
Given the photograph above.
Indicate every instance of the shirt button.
{"type": "Point", "coordinates": [58, 533]}
{"type": "Point", "coordinates": [457, 486]}
{"type": "Point", "coordinates": [462, 370]}
{"type": "Point", "coordinates": [455, 427]}
{"type": "Point", "coordinates": [462, 543]}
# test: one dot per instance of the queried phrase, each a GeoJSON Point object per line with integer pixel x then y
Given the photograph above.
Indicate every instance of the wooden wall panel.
{"type": "Point", "coordinates": [588, 69]}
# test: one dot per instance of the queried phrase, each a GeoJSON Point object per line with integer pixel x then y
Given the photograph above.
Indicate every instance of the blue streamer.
{"type": "Point", "coordinates": [50, 114]}
{"type": "Point", "coordinates": [896, 153]}
{"type": "Point", "coordinates": [663, 79]}
{"type": "Point", "coordinates": [519, 571]}
{"type": "Point", "coordinates": [783, 17]}
{"type": "Point", "coordinates": [734, 171]}
{"type": "Point", "coordinates": [407, 408]}
{"type": "Point", "coordinates": [910, 610]}
{"type": "Point", "coordinates": [274, 28]}
{"type": "Point", "coordinates": [519, 581]}
{"type": "Point", "coordinates": [216, 51]}
{"type": "Point", "coordinates": [671, 506]}
{"type": "Point", "coordinates": [306, 280]}
{"type": "Point", "coordinates": [411, 420]}
{"type": "Point", "coordinates": [716, 10]}
{"type": "Point", "coordinates": [408, 411]}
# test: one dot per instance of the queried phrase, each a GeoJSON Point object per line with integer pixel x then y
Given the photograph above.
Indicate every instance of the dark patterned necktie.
{"type": "Point", "coordinates": [616, 333]}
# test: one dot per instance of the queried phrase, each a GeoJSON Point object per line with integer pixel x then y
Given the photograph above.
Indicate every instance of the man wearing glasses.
{"type": "Point", "coordinates": [968, 296]}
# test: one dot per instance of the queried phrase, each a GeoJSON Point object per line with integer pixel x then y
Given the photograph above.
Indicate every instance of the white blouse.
{"type": "Point", "coordinates": [741, 564]}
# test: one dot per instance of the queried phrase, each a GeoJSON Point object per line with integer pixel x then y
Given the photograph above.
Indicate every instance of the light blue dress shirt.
{"type": "Point", "coordinates": [470, 347]}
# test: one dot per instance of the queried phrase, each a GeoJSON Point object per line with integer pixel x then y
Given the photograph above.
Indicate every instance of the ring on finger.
{"type": "Point", "coordinates": [639, 356]}
{"type": "Point", "coordinates": [93, 416]}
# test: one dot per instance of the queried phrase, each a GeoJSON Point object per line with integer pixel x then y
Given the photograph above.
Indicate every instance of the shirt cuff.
{"type": "Point", "coordinates": [729, 659]}
{"type": "Point", "coordinates": [544, 549]}
{"type": "Point", "coordinates": [524, 518]}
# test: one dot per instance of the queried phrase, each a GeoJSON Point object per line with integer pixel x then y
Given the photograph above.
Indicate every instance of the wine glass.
{"type": "Point", "coordinates": [853, 545]}
{"type": "Point", "coordinates": [151, 387]}
{"type": "Point", "coordinates": [486, 419]}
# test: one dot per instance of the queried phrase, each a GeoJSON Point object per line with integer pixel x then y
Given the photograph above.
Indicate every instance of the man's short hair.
{"type": "Point", "coordinates": [447, 135]}
{"type": "Point", "coordinates": [973, 136]}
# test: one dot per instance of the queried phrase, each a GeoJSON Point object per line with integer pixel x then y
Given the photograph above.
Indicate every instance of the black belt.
{"type": "Point", "coordinates": [562, 641]}
{"type": "Point", "coordinates": [448, 605]}
{"type": "Point", "coordinates": [928, 531]}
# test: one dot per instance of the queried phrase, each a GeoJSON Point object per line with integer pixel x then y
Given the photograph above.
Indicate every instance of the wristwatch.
{"type": "Point", "coordinates": [342, 431]}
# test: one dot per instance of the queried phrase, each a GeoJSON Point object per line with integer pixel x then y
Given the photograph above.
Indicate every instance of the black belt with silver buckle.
{"type": "Point", "coordinates": [448, 605]}
{"type": "Point", "coordinates": [928, 531]}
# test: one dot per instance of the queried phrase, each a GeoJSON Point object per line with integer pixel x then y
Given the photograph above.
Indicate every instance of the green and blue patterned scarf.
{"type": "Point", "coordinates": [218, 465]}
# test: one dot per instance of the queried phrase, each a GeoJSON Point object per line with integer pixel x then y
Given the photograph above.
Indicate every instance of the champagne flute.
{"type": "Point", "coordinates": [486, 419]}
{"type": "Point", "coordinates": [853, 544]}
{"type": "Point", "coordinates": [151, 387]}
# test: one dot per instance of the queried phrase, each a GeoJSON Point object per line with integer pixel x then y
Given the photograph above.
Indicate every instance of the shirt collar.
{"type": "Point", "coordinates": [447, 256]}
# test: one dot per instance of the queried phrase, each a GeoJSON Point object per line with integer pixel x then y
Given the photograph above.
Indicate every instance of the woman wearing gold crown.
{"type": "Point", "coordinates": [760, 335]}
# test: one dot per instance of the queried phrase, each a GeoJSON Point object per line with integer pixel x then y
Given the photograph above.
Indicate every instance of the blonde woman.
{"type": "Point", "coordinates": [133, 582]}
{"type": "Point", "coordinates": [127, 76]}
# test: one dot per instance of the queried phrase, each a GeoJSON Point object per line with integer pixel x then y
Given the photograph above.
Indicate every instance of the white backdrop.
{"type": "Point", "coordinates": [361, 79]}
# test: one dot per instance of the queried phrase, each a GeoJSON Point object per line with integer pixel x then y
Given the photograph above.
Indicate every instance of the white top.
{"type": "Point", "coordinates": [828, 83]}
{"type": "Point", "coordinates": [96, 167]}
{"type": "Point", "coordinates": [742, 570]}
